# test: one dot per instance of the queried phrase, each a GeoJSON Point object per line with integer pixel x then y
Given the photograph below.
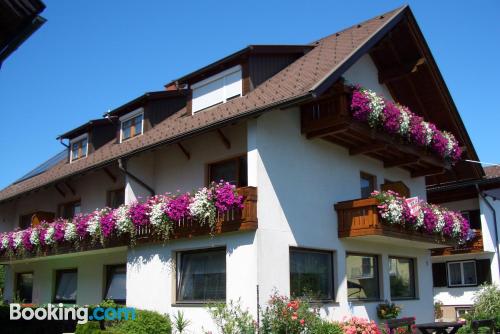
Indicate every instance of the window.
{"type": "Point", "coordinates": [79, 147]}
{"type": "Point", "coordinates": [115, 198]}
{"type": "Point", "coordinates": [402, 277]}
{"type": "Point", "coordinates": [232, 170]}
{"type": "Point", "coordinates": [462, 273]}
{"type": "Point", "coordinates": [69, 210]}
{"type": "Point", "coordinates": [474, 218]}
{"type": "Point", "coordinates": [24, 287]}
{"type": "Point", "coordinates": [217, 89]}
{"type": "Point", "coordinates": [201, 276]}
{"type": "Point", "coordinates": [311, 274]}
{"type": "Point", "coordinates": [367, 184]}
{"type": "Point", "coordinates": [362, 277]}
{"type": "Point", "coordinates": [116, 280]}
{"type": "Point", "coordinates": [66, 283]}
{"type": "Point", "coordinates": [132, 125]}
{"type": "Point", "coordinates": [461, 312]}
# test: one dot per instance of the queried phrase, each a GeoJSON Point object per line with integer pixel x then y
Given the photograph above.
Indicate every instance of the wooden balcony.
{"type": "Point", "coordinates": [359, 220]}
{"type": "Point", "coordinates": [329, 118]}
{"type": "Point", "coordinates": [234, 220]}
{"type": "Point", "coordinates": [473, 246]}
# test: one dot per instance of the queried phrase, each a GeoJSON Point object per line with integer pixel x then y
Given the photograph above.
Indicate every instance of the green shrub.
{"type": "Point", "coordinates": [146, 322]}
{"type": "Point", "coordinates": [326, 327]}
{"type": "Point", "coordinates": [91, 327]}
{"type": "Point", "coordinates": [486, 306]}
{"type": "Point", "coordinates": [231, 318]}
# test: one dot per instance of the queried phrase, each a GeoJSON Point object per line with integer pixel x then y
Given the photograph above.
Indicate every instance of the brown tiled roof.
{"type": "Point", "coordinates": [492, 172]}
{"type": "Point", "coordinates": [313, 71]}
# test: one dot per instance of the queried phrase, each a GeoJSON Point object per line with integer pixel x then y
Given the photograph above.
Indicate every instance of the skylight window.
{"type": "Point", "coordinates": [217, 89]}
{"type": "Point", "coordinates": [132, 125]}
{"type": "Point", "coordinates": [79, 147]}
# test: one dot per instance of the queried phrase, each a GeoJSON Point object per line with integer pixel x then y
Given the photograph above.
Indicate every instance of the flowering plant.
{"type": "Point", "coordinates": [159, 212]}
{"type": "Point", "coordinates": [388, 310]}
{"type": "Point", "coordinates": [367, 106]}
{"type": "Point", "coordinates": [425, 217]}
{"type": "Point", "coordinates": [357, 325]}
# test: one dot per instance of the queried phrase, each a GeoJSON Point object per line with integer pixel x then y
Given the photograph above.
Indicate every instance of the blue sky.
{"type": "Point", "coordinates": [92, 56]}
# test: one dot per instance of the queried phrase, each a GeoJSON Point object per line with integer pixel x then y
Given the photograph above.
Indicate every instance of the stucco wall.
{"type": "Point", "coordinates": [90, 265]}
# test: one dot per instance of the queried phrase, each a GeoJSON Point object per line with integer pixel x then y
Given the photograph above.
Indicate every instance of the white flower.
{"type": "Point", "coordinates": [4, 242]}
{"type": "Point", "coordinates": [157, 214]}
{"type": "Point", "coordinates": [393, 214]}
{"type": "Point", "coordinates": [70, 232]}
{"type": "Point", "coordinates": [450, 145]}
{"type": "Point", "coordinates": [429, 133]}
{"type": "Point", "coordinates": [377, 106]}
{"type": "Point", "coordinates": [49, 236]}
{"type": "Point", "coordinates": [35, 237]}
{"type": "Point", "coordinates": [202, 207]}
{"type": "Point", "coordinates": [419, 222]}
{"type": "Point", "coordinates": [93, 224]}
{"type": "Point", "coordinates": [404, 127]}
{"type": "Point", "coordinates": [18, 239]}
{"type": "Point", "coordinates": [439, 220]}
{"type": "Point", "coordinates": [123, 221]}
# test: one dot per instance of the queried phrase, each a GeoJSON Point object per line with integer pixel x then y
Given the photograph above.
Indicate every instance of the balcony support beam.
{"type": "Point", "coordinates": [183, 149]}
{"type": "Point", "coordinates": [367, 149]}
{"type": "Point", "coordinates": [427, 172]}
{"type": "Point", "coordinates": [224, 139]}
{"type": "Point", "coordinates": [401, 162]}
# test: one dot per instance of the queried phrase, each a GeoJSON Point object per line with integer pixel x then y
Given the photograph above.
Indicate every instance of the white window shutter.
{"type": "Point", "coordinates": [233, 85]}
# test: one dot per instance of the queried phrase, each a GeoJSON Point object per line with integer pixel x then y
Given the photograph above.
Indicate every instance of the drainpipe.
{"type": "Point", "coordinates": [123, 167]}
{"type": "Point", "coordinates": [483, 196]}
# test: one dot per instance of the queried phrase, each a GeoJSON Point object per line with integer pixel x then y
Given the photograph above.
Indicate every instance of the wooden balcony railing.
{"type": "Point", "coordinates": [234, 220]}
{"type": "Point", "coordinates": [329, 118]}
{"type": "Point", "coordinates": [360, 219]}
{"type": "Point", "coordinates": [473, 246]}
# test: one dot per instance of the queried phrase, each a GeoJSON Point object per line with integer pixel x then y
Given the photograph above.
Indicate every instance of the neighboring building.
{"type": "Point", "coordinates": [273, 120]}
{"type": "Point", "coordinates": [19, 19]}
{"type": "Point", "coordinates": [458, 273]}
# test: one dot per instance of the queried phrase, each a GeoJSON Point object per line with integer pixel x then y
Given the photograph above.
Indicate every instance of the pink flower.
{"type": "Point", "coordinates": [178, 207]}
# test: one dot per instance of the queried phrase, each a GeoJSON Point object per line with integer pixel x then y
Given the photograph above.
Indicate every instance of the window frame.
{"type": "Point", "coordinates": [108, 195]}
{"type": "Point", "coordinates": [127, 117]}
{"type": "Point", "coordinates": [414, 273]}
{"type": "Point", "coordinates": [373, 182]}
{"type": "Point", "coordinates": [107, 270]}
{"type": "Point", "coordinates": [61, 205]}
{"type": "Point", "coordinates": [221, 75]}
{"type": "Point", "coordinates": [58, 274]}
{"type": "Point", "coordinates": [238, 169]}
{"type": "Point", "coordinates": [16, 283]}
{"type": "Point", "coordinates": [448, 278]}
{"type": "Point", "coordinates": [332, 270]}
{"type": "Point", "coordinates": [178, 275]}
{"type": "Point", "coordinates": [377, 274]}
{"type": "Point", "coordinates": [77, 140]}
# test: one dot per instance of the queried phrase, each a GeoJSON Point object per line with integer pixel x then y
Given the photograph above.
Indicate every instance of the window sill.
{"type": "Point", "coordinates": [364, 301]}
{"type": "Point", "coordinates": [405, 299]}
{"type": "Point", "coordinates": [324, 302]}
{"type": "Point", "coordinates": [196, 304]}
{"type": "Point", "coordinates": [129, 139]}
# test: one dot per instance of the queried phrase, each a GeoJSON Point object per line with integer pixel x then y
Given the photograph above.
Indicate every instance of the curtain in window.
{"type": "Point", "coordinates": [117, 283]}
{"type": "Point", "coordinates": [66, 286]}
{"type": "Point", "coordinates": [455, 274]}
{"type": "Point", "coordinates": [203, 276]}
{"type": "Point", "coordinates": [311, 274]}
{"type": "Point", "coordinates": [402, 278]}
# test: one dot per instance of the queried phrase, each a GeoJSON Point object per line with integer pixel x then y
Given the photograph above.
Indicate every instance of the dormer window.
{"type": "Point", "coordinates": [132, 125]}
{"type": "Point", "coordinates": [217, 89]}
{"type": "Point", "coordinates": [79, 147]}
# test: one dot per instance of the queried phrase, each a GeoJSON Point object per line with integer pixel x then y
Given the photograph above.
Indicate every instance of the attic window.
{"type": "Point", "coordinates": [217, 89]}
{"type": "Point", "coordinates": [131, 124]}
{"type": "Point", "coordinates": [79, 147]}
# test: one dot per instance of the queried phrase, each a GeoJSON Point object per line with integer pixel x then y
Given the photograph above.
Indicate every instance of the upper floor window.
{"type": "Point", "coordinates": [131, 124]}
{"type": "Point", "coordinates": [474, 218]}
{"type": "Point", "coordinates": [115, 198]}
{"type": "Point", "coordinates": [232, 170]}
{"type": "Point", "coordinates": [70, 209]}
{"type": "Point", "coordinates": [79, 147]}
{"type": "Point", "coordinates": [217, 89]}
{"type": "Point", "coordinates": [367, 184]}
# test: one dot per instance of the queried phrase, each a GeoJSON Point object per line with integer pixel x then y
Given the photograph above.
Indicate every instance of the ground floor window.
{"type": "Point", "coordinates": [362, 277]}
{"type": "Point", "coordinates": [116, 283]}
{"type": "Point", "coordinates": [201, 275]}
{"type": "Point", "coordinates": [311, 274]}
{"type": "Point", "coordinates": [402, 277]}
{"type": "Point", "coordinates": [66, 285]}
{"type": "Point", "coordinates": [462, 273]}
{"type": "Point", "coordinates": [24, 287]}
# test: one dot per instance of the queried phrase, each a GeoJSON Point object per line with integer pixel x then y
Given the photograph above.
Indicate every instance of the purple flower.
{"type": "Point", "coordinates": [10, 237]}
{"type": "Point", "coordinates": [178, 208]}
{"type": "Point", "coordinates": [139, 214]}
{"type": "Point", "coordinates": [108, 224]}
{"type": "Point", "coordinates": [41, 235]}
{"type": "Point", "coordinates": [59, 230]}
{"type": "Point", "coordinates": [81, 222]}
{"type": "Point", "coordinates": [392, 117]}
{"type": "Point", "coordinates": [360, 105]}
{"type": "Point", "coordinates": [26, 240]}
{"type": "Point", "coordinates": [226, 197]}
{"type": "Point", "coordinates": [417, 130]}
{"type": "Point", "coordinates": [439, 142]}
{"type": "Point", "coordinates": [465, 228]}
{"type": "Point", "coordinates": [430, 220]}
{"type": "Point", "coordinates": [448, 217]}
